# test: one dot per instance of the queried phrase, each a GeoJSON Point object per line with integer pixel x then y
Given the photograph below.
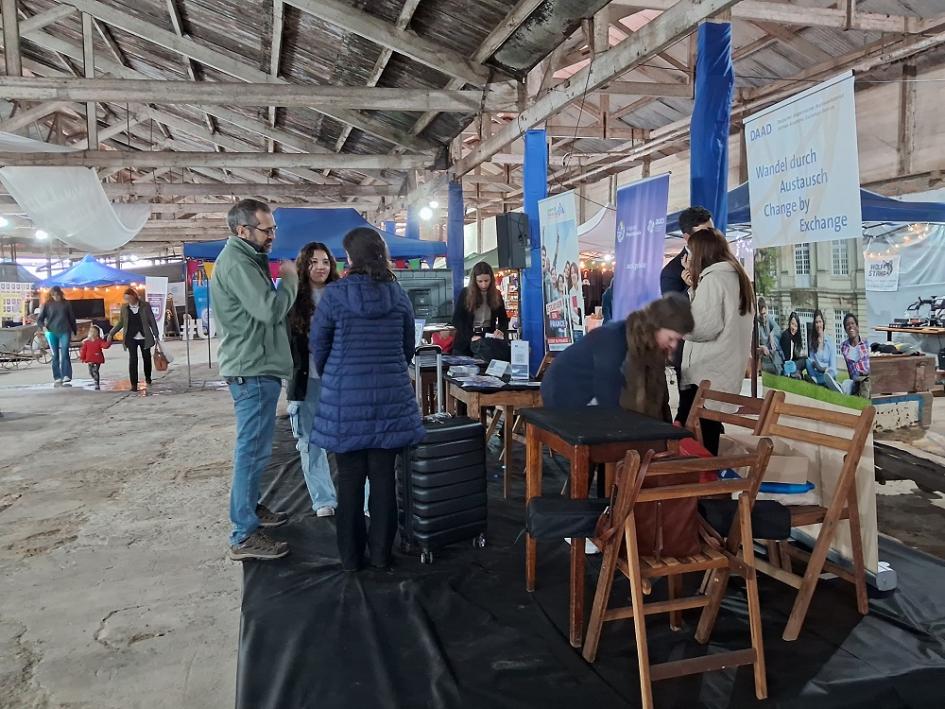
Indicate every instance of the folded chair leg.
{"type": "Point", "coordinates": [754, 604]}
{"type": "Point", "coordinates": [639, 616]}
{"type": "Point", "coordinates": [786, 562]}
{"type": "Point", "coordinates": [815, 566]}
{"type": "Point", "coordinates": [717, 585]}
{"type": "Point", "coordinates": [605, 582]}
{"type": "Point", "coordinates": [856, 544]}
{"type": "Point", "coordinates": [675, 591]}
{"type": "Point", "coordinates": [704, 586]}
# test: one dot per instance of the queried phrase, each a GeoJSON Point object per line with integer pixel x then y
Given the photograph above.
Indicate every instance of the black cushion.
{"type": "Point", "coordinates": [769, 519]}
{"type": "Point", "coordinates": [590, 425]}
{"type": "Point", "coordinates": [555, 517]}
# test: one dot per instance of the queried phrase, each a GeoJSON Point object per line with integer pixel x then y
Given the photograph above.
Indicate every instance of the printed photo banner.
{"type": "Point", "coordinates": [563, 296]}
{"type": "Point", "coordinates": [155, 292]}
{"type": "Point", "coordinates": [640, 237]}
{"type": "Point", "coordinates": [882, 274]}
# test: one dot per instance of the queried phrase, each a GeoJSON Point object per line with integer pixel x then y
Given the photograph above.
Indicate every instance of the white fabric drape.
{"type": "Point", "coordinates": [69, 202]}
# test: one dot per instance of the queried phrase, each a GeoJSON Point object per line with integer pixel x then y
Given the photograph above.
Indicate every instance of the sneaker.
{"type": "Point", "coordinates": [259, 545]}
{"type": "Point", "coordinates": [268, 518]}
{"type": "Point", "coordinates": [148, 382]}
{"type": "Point", "coordinates": [66, 380]}
{"type": "Point", "coordinates": [57, 383]}
{"type": "Point", "coordinates": [325, 512]}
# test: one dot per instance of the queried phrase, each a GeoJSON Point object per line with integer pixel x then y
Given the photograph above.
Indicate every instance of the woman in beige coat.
{"type": "Point", "coordinates": [723, 311]}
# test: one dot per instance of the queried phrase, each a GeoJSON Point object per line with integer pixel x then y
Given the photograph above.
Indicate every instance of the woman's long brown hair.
{"type": "Point", "coordinates": [708, 247]}
{"type": "Point", "coordinates": [300, 316]}
{"type": "Point", "coordinates": [474, 295]}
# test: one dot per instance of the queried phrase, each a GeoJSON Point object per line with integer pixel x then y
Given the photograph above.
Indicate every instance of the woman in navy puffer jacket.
{"type": "Point", "coordinates": [362, 339]}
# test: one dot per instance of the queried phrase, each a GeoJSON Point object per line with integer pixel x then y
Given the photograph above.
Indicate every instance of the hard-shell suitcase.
{"type": "Point", "coordinates": [441, 482]}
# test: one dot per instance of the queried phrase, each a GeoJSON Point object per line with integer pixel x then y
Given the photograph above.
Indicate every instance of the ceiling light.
{"type": "Point", "coordinates": [426, 214]}
{"type": "Point", "coordinates": [4, 222]}
{"type": "Point", "coordinates": [41, 235]}
{"type": "Point", "coordinates": [434, 204]}
{"type": "Point", "coordinates": [609, 258]}
{"type": "Point", "coordinates": [133, 258]}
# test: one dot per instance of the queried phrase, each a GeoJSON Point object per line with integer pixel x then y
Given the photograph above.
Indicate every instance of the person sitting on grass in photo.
{"type": "Point", "coordinates": [91, 353]}
{"type": "Point", "coordinates": [822, 357]}
{"type": "Point", "coordinates": [856, 353]}
{"type": "Point", "coordinates": [792, 348]}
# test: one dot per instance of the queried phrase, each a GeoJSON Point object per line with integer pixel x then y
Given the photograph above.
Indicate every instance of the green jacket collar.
{"type": "Point", "coordinates": [244, 247]}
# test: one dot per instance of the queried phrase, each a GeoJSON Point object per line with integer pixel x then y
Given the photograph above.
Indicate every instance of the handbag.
{"type": "Point", "coordinates": [160, 361]}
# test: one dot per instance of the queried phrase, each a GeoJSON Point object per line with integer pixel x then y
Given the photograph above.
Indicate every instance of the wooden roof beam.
{"type": "Point", "coordinates": [240, 190]}
{"type": "Point", "coordinates": [275, 59]}
{"type": "Point", "coordinates": [11, 38]}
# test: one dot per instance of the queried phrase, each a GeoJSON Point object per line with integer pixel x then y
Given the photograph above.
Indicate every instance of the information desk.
{"type": "Point", "coordinates": [592, 434]}
{"type": "Point", "coordinates": [506, 400]}
{"type": "Point", "coordinates": [914, 331]}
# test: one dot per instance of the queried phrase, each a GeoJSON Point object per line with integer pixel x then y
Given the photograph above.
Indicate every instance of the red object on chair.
{"type": "Point", "coordinates": [692, 448]}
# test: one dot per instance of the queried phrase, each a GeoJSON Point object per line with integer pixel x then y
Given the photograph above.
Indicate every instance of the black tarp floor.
{"type": "Point", "coordinates": [464, 633]}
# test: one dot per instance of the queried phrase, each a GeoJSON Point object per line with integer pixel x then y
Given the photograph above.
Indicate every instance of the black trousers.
{"type": "Point", "coordinates": [376, 465]}
{"type": "Point", "coordinates": [133, 347]}
{"type": "Point", "coordinates": [711, 430]}
{"type": "Point", "coordinates": [94, 372]}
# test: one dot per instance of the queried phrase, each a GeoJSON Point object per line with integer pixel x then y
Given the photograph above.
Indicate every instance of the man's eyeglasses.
{"type": "Point", "coordinates": [271, 231]}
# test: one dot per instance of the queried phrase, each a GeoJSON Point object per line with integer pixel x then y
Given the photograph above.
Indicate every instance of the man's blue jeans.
{"type": "Point", "coordinates": [59, 350]}
{"type": "Point", "coordinates": [254, 401]}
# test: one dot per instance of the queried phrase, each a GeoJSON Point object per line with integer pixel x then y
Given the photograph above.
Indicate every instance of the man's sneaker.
{"type": "Point", "coordinates": [325, 512]}
{"type": "Point", "coordinates": [259, 545]}
{"type": "Point", "coordinates": [57, 383]}
{"type": "Point", "coordinates": [268, 518]}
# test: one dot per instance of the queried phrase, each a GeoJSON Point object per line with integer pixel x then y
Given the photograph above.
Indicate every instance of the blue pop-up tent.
{"type": "Point", "coordinates": [876, 208]}
{"type": "Point", "coordinates": [89, 273]}
{"type": "Point", "coordinates": [298, 226]}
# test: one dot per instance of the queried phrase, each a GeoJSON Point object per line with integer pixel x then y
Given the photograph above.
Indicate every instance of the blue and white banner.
{"type": "Point", "coordinates": [803, 169]}
{"type": "Point", "coordinates": [561, 273]}
{"type": "Point", "coordinates": [641, 233]}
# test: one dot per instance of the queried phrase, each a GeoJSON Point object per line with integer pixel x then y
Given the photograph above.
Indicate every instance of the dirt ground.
{"type": "Point", "coordinates": [116, 589]}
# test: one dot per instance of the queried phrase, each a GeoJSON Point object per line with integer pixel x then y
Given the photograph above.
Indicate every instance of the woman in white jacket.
{"type": "Point", "coordinates": [723, 310]}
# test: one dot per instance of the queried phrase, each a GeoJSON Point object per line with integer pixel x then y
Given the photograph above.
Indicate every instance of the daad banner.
{"type": "Point", "coordinates": [561, 272]}
{"type": "Point", "coordinates": [641, 233]}
{"type": "Point", "coordinates": [155, 292]}
{"type": "Point", "coordinates": [882, 274]}
{"type": "Point", "coordinates": [803, 169]}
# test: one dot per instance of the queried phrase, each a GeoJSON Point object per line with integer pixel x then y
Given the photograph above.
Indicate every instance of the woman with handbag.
{"type": "Point", "coordinates": [480, 311]}
{"type": "Point", "coordinates": [139, 331]}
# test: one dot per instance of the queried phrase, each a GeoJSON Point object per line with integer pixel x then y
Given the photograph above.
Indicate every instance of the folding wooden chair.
{"type": "Point", "coordinates": [852, 431]}
{"type": "Point", "coordinates": [717, 554]}
{"type": "Point", "coordinates": [751, 413]}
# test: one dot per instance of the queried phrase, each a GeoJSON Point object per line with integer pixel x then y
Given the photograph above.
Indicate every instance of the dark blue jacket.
{"type": "Point", "coordinates": [591, 368]}
{"type": "Point", "coordinates": [362, 340]}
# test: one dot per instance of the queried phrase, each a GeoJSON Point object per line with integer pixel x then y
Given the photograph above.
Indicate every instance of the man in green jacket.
{"type": "Point", "coordinates": [254, 358]}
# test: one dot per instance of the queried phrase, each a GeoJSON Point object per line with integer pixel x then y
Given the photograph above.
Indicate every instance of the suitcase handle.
{"type": "Point", "coordinates": [427, 349]}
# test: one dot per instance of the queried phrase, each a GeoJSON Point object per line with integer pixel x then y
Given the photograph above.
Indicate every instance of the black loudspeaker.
{"type": "Point", "coordinates": [512, 239]}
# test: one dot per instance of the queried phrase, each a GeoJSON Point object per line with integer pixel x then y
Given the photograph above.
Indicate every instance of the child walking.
{"type": "Point", "coordinates": [91, 353]}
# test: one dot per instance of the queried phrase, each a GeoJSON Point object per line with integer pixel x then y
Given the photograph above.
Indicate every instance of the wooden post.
{"type": "Point", "coordinates": [907, 94]}
{"type": "Point", "coordinates": [88, 66]}
{"type": "Point", "coordinates": [11, 38]}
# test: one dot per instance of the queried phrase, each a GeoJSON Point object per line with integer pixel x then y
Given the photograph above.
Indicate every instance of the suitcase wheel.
{"type": "Point", "coordinates": [479, 542]}
{"type": "Point", "coordinates": [426, 557]}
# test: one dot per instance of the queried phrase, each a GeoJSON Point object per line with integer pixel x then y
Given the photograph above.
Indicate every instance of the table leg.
{"type": "Point", "coordinates": [610, 474]}
{"type": "Point", "coordinates": [532, 489]}
{"type": "Point", "coordinates": [506, 447]}
{"type": "Point", "coordinates": [580, 471]}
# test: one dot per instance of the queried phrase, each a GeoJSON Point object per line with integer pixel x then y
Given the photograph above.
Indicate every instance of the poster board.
{"type": "Point", "coordinates": [562, 294]}
{"type": "Point", "coordinates": [155, 292]}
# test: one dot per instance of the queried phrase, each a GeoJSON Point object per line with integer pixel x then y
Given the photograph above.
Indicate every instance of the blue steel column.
{"type": "Point", "coordinates": [535, 188]}
{"type": "Point", "coordinates": [455, 220]}
{"type": "Point", "coordinates": [390, 226]}
{"type": "Point", "coordinates": [413, 223]}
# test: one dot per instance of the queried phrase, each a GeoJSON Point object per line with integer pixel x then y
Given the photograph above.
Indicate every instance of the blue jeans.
{"type": "Point", "coordinates": [59, 349]}
{"type": "Point", "coordinates": [314, 459]}
{"type": "Point", "coordinates": [815, 374]}
{"type": "Point", "coordinates": [254, 401]}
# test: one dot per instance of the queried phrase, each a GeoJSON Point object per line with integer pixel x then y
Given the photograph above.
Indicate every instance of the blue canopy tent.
{"type": "Point", "coordinates": [876, 208]}
{"type": "Point", "coordinates": [89, 273]}
{"type": "Point", "coordinates": [298, 226]}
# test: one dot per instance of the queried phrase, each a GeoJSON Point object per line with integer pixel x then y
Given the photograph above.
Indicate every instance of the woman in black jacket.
{"type": "Point", "coordinates": [792, 346]}
{"type": "Point", "coordinates": [139, 331]}
{"type": "Point", "coordinates": [479, 310]}
{"type": "Point", "coordinates": [317, 268]}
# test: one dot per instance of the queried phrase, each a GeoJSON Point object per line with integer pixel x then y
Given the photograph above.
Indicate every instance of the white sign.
{"type": "Point", "coordinates": [803, 169]}
{"type": "Point", "coordinates": [155, 292]}
{"type": "Point", "coordinates": [519, 359]}
{"type": "Point", "coordinates": [497, 368]}
{"type": "Point", "coordinates": [882, 274]}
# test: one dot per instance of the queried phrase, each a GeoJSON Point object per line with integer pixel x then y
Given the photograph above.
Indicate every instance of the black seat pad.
{"type": "Point", "coordinates": [769, 519]}
{"type": "Point", "coordinates": [555, 517]}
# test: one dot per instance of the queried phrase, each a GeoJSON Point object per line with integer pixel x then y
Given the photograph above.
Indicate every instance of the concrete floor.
{"type": "Point", "coordinates": [116, 590]}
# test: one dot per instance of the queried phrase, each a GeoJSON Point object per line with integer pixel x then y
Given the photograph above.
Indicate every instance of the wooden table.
{"type": "Point", "coordinates": [914, 331]}
{"type": "Point", "coordinates": [508, 399]}
{"type": "Point", "coordinates": [585, 436]}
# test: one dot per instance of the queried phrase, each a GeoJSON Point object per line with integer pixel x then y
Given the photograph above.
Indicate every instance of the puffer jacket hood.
{"type": "Point", "coordinates": [369, 298]}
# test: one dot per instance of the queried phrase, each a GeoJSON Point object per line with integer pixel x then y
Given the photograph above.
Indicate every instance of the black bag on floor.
{"type": "Point", "coordinates": [441, 482]}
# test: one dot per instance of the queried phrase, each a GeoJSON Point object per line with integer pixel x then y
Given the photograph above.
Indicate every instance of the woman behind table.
{"type": "Point", "coordinates": [58, 321]}
{"type": "Point", "coordinates": [792, 347]}
{"type": "Point", "coordinates": [479, 309]}
{"type": "Point", "coordinates": [362, 341]}
{"type": "Point", "coordinates": [317, 268]}
{"type": "Point", "coordinates": [719, 346]}
{"type": "Point", "coordinates": [856, 353]}
{"type": "Point", "coordinates": [139, 331]}
{"type": "Point", "coordinates": [822, 357]}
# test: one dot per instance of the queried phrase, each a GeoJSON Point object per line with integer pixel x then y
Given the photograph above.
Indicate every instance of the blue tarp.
{"type": "Point", "coordinates": [89, 272]}
{"type": "Point", "coordinates": [298, 226]}
{"type": "Point", "coordinates": [876, 208]}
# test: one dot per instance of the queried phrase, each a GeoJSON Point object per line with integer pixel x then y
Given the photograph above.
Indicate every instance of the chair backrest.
{"type": "Point", "coordinates": [852, 430]}
{"type": "Point", "coordinates": [750, 413]}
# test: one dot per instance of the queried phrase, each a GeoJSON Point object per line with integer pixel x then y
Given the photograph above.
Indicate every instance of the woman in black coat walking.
{"type": "Point", "coordinates": [139, 331]}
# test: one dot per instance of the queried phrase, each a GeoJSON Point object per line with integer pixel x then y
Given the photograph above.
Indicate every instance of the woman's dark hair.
{"type": "Point", "coordinates": [815, 342]}
{"type": "Point", "coordinates": [474, 295]}
{"type": "Point", "coordinates": [56, 290]}
{"type": "Point", "coordinates": [300, 316]}
{"type": "Point", "coordinates": [708, 247]}
{"type": "Point", "coordinates": [569, 276]}
{"type": "Point", "coordinates": [133, 293]}
{"type": "Point", "coordinates": [761, 303]}
{"type": "Point", "coordinates": [367, 254]}
{"type": "Point", "coordinates": [796, 337]}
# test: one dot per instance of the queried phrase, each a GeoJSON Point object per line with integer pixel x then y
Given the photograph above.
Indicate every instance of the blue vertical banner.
{"type": "Point", "coordinates": [455, 221]}
{"type": "Point", "coordinates": [535, 189]}
{"type": "Point", "coordinates": [413, 223]}
{"type": "Point", "coordinates": [711, 118]}
{"type": "Point", "coordinates": [641, 233]}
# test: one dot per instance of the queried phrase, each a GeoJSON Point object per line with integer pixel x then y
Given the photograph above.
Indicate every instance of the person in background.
{"type": "Point", "coordinates": [792, 347]}
{"type": "Point", "coordinates": [856, 353]}
{"type": "Point", "coordinates": [362, 341]}
{"type": "Point", "coordinates": [479, 309]}
{"type": "Point", "coordinates": [719, 345]}
{"type": "Point", "coordinates": [822, 356]}
{"type": "Point", "coordinates": [58, 321]}
{"type": "Point", "coordinates": [139, 331]}
{"type": "Point", "coordinates": [769, 335]}
{"type": "Point", "coordinates": [91, 353]}
{"type": "Point", "coordinates": [607, 303]}
{"type": "Point", "coordinates": [254, 357]}
{"type": "Point", "coordinates": [317, 268]}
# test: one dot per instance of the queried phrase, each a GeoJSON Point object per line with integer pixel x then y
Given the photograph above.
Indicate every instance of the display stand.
{"type": "Point", "coordinates": [509, 282]}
